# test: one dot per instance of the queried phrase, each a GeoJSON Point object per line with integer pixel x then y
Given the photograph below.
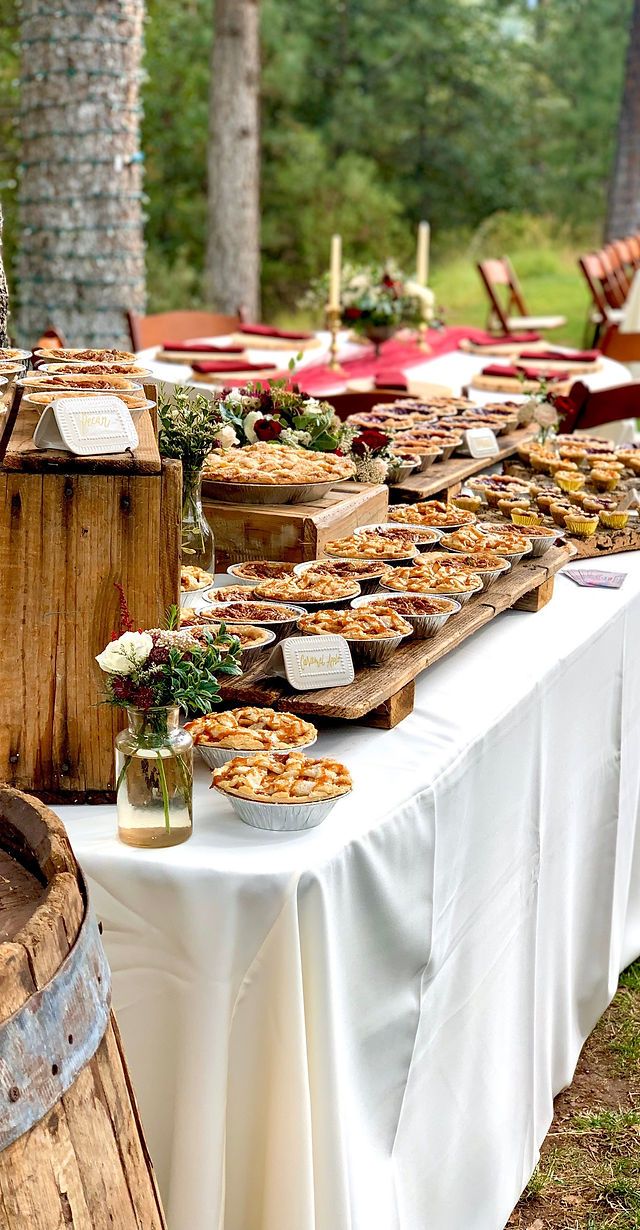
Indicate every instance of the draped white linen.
{"type": "Point", "coordinates": [362, 1027]}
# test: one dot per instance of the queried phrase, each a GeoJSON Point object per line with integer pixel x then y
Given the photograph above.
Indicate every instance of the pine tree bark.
{"type": "Point", "coordinates": [623, 214]}
{"type": "Point", "coordinates": [81, 256]}
{"type": "Point", "coordinates": [233, 249]}
{"type": "Point", "coordinates": [4, 297]}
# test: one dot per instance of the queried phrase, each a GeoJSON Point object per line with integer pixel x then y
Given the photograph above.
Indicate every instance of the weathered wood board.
{"type": "Point", "coordinates": [445, 478]}
{"type": "Point", "coordinates": [375, 697]}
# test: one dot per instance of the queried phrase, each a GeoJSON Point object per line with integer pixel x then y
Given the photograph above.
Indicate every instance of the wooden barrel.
{"type": "Point", "coordinates": [72, 1150]}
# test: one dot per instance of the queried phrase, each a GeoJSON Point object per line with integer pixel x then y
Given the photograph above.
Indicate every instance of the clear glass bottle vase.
{"type": "Point", "coordinates": [198, 545]}
{"type": "Point", "coordinates": [154, 767]}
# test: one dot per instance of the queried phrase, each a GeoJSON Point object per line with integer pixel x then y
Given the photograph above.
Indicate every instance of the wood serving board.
{"type": "Point", "coordinates": [383, 695]}
{"type": "Point", "coordinates": [446, 477]}
{"type": "Point", "coordinates": [22, 454]}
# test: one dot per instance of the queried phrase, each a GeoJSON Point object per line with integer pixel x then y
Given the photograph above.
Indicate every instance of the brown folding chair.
{"type": "Point", "coordinates": [605, 308]}
{"type": "Point", "coordinates": [345, 404]}
{"type": "Point", "coordinates": [623, 252]}
{"type": "Point", "coordinates": [594, 408]}
{"type": "Point", "coordinates": [614, 266]}
{"type": "Point", "coordinates": [633, 245]}
{"type": "Point", "coordinates": [177, 327]}
{"type": "Point", "coordinates": [499, 278]}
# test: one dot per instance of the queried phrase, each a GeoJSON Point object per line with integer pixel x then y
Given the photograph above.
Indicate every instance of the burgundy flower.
{"type": "Point", "coordinates": [143, 697]}
{"type": "Point", "coordinates": [369, 440]}
{"type": "Point", "coordinates": [564, 405]}
{"type": "Point", "coordinates": [121, 687]}
{"type": "Point", "coordinates": [267, 429]}
{"type": "Point", "coordinates": [265, 401]}
{"type": "Point", "coordinates": [352, 313]}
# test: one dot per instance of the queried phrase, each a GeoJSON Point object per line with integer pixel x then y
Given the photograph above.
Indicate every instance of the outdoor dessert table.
{"type": "Point", "coordinates": [362, 1027]}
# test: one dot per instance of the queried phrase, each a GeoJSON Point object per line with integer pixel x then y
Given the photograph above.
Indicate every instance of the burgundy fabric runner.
{"type": "Point", "coordinates": [525, 339]}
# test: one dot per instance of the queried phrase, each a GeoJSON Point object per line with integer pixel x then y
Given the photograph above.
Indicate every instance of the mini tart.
{"type": "Point", "coordinates": [470, 503]}
{"type": "Point", "coordinates": [579, 524]}
{"type": "Point", "coordinates": [614, 519]}
{"type": "Point", "coordinates": [507, 506]}
{"type": "Point", "coordinates": [193, 578]}
{"type": "Point", "coordinates": [524, 517]}
{"type": "Point", "coordinates": [434, 513]}
{"type": "Point", "coordinates": [262, 569]}
{"type": "Point", "coordinates": [546, 499]}
{"type": "Point", "coordinates": [604, 480]}
{"type": "Point", "coordinates": [568, 481]}
{"type": "Point", "coordinates": [306, 588]}
{"type": "Point", "coordinates": [251, 728]}
{"type": "Point", "coordinates": [370, 546]}
{"type": "Point", "coordinates": [559, 512]}
{"type": "Point", "coordinates": [273, 777]}
{"type": "Point", "coordinates": [423, 581]}
{"type": "Point", "coordinates": [356, 625]}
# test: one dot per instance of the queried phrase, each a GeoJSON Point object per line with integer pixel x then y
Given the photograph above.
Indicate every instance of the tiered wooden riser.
{"type": "Point", "coordinates": [603, 542]}
{"type": "Point", "coordinates": [444, 479]}
{"type": "Point", "coordinates": [383, 695]}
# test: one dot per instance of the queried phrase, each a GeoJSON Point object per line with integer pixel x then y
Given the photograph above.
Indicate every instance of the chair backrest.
{"type": "Point", "coordinates": [177, 327]}
{"type": "Point", "coordinates": [611, 284]}
{"type": "Point", "coordinates": [617, 262]}
{"type": "Point", "coordinates": [593, 273]}
{"type": "Point", "coordinates": [500, 273]}
{"type": "Point", "coordinates": [633, 246]}
{"type": "Point", "coordinates": [604, 405]}
{"type": "Point", "coordinates": [345, 404]}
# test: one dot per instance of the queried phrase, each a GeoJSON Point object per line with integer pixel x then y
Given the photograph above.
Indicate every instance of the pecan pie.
{"type": "Point", "coordinates": [348, 569]}
{"type": "Point", "coordinates": [272, 777]}
{"type": "Point", "coordinates": [192, 578]}
{"type": "Point", "coordinates": [262, 569]}
{"type": "Point", "coordinates": [399, 533]}
{"type": "Point", "coordinates": [271, 463]}
{"type": "Point", "coordinates": [356, 625]}
{"type": "Point", "coordinates": [249, 637]}
{"type": "Point", "coordinates": [88, 356]}
{"type": "Point", "coordinates": [231, 593]}
{"type": "Point", "coordinates": [98, 369]}
{"type": "Point", "coordinates": [307, 588]}
{"type": "Point", "coordinates": [370, 545]}
{"type": "Point", "coordinates": [60, 380]}
{"type": "Point", "coordinates": [474, 561]}
{"type": "Point", "coordinates": [412, 604]}
{"type": "Point", "coordinates": [432, 513]}
{"type": "Point", "coordinates": [252, 729]}
{"type": "Point", "coordinates": [257, 612]}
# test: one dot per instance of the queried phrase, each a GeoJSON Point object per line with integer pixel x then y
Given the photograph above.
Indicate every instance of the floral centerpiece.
{"type": "Point", "coordinates": [153, 674]}
{"type": "Point", "coordinates": [371, 452]}
{"type": "Point", "coordinates": [376, 300]}
{"type": "Point", "coordinates": [190, 428]}
{"type": "Point", "coordinates": [280, 413]}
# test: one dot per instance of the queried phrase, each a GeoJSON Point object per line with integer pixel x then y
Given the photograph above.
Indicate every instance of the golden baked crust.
{"type": "Point", "coordinates": [410, 605]}
{"type": "Point", "coordinates": [135, 401]}
{"type": "Point", "coordinates": [474, 561]}
{"type": "Point", "coordinates": [307, 588]}
{"type": "Point", "coordinates": [263, 569]}
{"type": "Point", "coordinates": [349, 569]}
{"type": "Point", "coordinates": [360, 624]}
{"type": "Point", "coordinates": [47, 380]}
{"type": "Point", "coordinates": [95, 355]}
{"type": "Point", "coordinates": [268, 463]}
{"type": "Point", "coordinates": [431, 581]}
{"type": "Point", "coordinates": [502, 539]}
{"type": "Point", "coordinates": [370, 545]}
{"type": "Point", "coordinates": [272, 777]}
{"type": "Point", "coordinates": [192, 578]}
{"type": "Point", "coordinates": [231, 593]}
{"type": "Point", "coordinates": [431, 513]}
{"type": "Point", "coordinates": [252, 728]}
{"type": "Point", "coordinates": [257, 612]}
{"type": "Point", "coordinates": [98, 369]}
{"type": "Point", "coordinates": [200, 621]}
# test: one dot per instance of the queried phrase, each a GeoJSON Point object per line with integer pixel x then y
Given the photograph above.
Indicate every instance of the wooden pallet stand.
{"type": "Point", "coordinates": [603, 542]}
{"type": "Point", "coordinates": [383, 695]}
{"type": "Point", "coordinates": [72, 527]}
{"type": "Point", "coordinates": [293, 532]}
{"type": "Point", "coordinates": [443, 479]}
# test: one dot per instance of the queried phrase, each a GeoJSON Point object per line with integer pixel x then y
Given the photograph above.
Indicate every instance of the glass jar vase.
{"type": "Point", "coordinates": [198, 545]}
{"type": "Point", "coordinates": [154, 790]}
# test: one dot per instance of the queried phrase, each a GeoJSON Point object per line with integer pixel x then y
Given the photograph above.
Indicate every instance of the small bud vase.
{"type": "Point", "coordinates": [198, 545]}
{"type": "Point", "coordinates": [154, 767]}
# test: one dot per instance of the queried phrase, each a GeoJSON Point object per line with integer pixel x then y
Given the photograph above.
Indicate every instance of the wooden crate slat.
{"type": "Point", "coordinates": [23, 455]}
{"type": "Point", "coordinates": [448, 476]}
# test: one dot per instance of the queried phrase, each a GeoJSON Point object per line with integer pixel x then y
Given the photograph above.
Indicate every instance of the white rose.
{"type": "Point", "coordinates": [249, 424]}
{"type": "Point", "coordinates": [226, 437]}
{"type": "Point", "coordinates": [545, 414]}
{"type": "Point", "coordinates": [234, 396]}
{"type": "Point", "coordinates": [121, 657]}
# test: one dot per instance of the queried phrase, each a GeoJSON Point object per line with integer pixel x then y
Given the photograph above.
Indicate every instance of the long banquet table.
{"type": "Point", "coordinates": [362, 1027]}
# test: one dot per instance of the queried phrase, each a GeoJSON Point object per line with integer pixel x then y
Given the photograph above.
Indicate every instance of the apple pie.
{"type": "Point", "coordinates": [431, 581]}
{"type": "Point", "coordinates": [252, 729]}
{"type": "Point", "coordinates": [502, 539]}
{"type": "Point", "coordinates": [307, 588]}
{"type": "Point", "coordinates": [431, 513]}
{"type": "Point", "coordinates": [356, 625]}
{"type": "Point", "coordinates": [370, 545]}
{"type": "Point", "coordinates": [248, 636]}
{"type": "Point", "coordinates": [193, 578]}
{"type": "Point", "coordinates": [271, 463]}
{"type": "Point", "coordinates": [280, 777]}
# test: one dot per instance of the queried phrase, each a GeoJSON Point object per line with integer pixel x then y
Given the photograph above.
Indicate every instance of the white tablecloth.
{"type": "Point", "coordinates": [362, 1027]}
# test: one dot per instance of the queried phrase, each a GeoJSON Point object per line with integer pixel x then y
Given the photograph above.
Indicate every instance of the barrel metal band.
{"type": "Point", "coordinates": [54, 1035]}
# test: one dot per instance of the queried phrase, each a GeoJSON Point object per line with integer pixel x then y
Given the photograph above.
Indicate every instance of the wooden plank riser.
{"type": "Point", "coordinates": [443, 479]}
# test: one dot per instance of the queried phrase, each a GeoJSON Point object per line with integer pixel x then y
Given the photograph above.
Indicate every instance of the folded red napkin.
{"type": "Point", "coordinates": [231, 365]}
{"type": "Point", "coordinates": [390, 380]}
{"type": "Point", "coordinates": [581, 356]}
{"type": "Point", "coordinates": [287, 335]}
{"type": "Point", "coordinates": [202, 347]}
{"type": "Point", "coordinates": [524, 338]}
{"type": "Point", "coordinates": [510, 372]}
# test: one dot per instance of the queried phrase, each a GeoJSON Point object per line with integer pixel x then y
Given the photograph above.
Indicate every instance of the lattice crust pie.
{"type": "Point", "coordinates": [262, 569]}
{"type": "Point", "coordinates": [88, 356]}
{"type": "Point", "coordinates": [390, 421]}
{"type": "Point", "coordinates": [276, 463]}
{"type": "Point", "coordinates": [501, 539]}
{"type": "Point", "coordinates": [192, 578]}
{"type": "Point", "coordinates": [428, 581]}
{"type": "Point", "coordinates": [369, 545]}
{"type": "Point", "coordinates": [448, 404]}
{"type": "Point", "coordinates": [358, 625]}
{"type": "Point", "coordinates": [135, 401]}
{"type": "Point", "coordinates": [474, 561]}
{"type": "Point", "coordinates": [249, 637]}
{"type": "Point", "coordinates": [431, 512]}
{"type": "Point", "coordinates": [272, 777]}
{"type": "Point", "coordinates": [308, 588]}
{"type": "Point", "coordinates": [252, 729]}
{"type": "Point", "coordinates": [398, 533]}
{"type": "Point", "coordinates": [349, 569]}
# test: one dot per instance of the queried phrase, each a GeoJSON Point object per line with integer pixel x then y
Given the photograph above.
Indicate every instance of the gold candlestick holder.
{"type": "Point", "coordinates": [333, 318]}
{"type": "Point", "coordinates": [423, 344]}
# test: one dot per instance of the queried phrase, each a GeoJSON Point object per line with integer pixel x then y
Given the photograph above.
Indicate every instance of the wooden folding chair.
{"type": "Point", "coordinates": [498, 274]}
{"type": "Point", "coordinates": [633, 245]}
{"type": "Point", "coordinates": [594, 408]}
{"type": "Point", "coordinates": [605, 307]}
{"type": "Point", "coordinates": [178, 327]}
{"type": "Point", "coordinates": [614, 266]}
{"type": "Point", "coordinates": [623, 252]}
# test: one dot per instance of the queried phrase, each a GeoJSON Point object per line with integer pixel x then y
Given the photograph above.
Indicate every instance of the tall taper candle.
{"type": "Point", "coordinates": [335, 272]}
{"type": "Point", "coordinates": [422, 256]}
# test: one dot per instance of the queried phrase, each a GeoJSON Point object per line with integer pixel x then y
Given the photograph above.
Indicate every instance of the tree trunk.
{"type": "Point", "coordinates": [81, 258]}
{"type": "Point", "coordinates": [233, 257]}
{"type": "Point", "coordinates": [623, 215]}
{"type": "Point", "coordinates": [4, 297]}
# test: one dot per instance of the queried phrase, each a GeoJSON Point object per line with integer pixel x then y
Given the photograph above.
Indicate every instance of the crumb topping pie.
{"type": "Point", "coordinates": [357, 625]}
{"type": "Point", "coordinates": [412, 604]}
{"type": "Point", "coordinates": [269, 463]}
{"type": "Point", "coordinates": [249, 637]}
{"type": "Point", "coordinates": [252, 729]}
{"type": "Point", "coordinates": [370, 545]}
{"type": "Point", "coordinates": [349, 569]}
{"type": "Point", "coordinates": [192, 578]}
{"type": "Point", "coordinates": [272, 777]}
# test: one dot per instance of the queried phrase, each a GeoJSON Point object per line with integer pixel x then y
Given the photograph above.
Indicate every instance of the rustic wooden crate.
{"type": "Point", "coordinates": [443, 479]}
{"type": "Point", "coordinates": [383, 695]}
{"type": "Point", "coordinates": [294, 532]}
{"type": "Point", "coordinates": [71, 528]}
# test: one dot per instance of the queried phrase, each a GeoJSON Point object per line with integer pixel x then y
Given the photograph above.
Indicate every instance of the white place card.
{"type": "Point", "coordinates": [86, 426]}
{"type": "Point", "coordinates": [481, 442]}
{"type": "Point", "coordinates": [310, 662]}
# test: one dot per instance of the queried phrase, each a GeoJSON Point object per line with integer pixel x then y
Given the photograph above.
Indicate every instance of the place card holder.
{"type": "Point", "coordinates": [481, 442]}
{"type": "Point", "coordinates": [86, 426]}
{"type": "Point", "coordinates": [309, 663]}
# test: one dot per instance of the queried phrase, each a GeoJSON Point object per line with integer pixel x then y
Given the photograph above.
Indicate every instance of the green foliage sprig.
{"type": "Point", "coordinates": [189, 424]}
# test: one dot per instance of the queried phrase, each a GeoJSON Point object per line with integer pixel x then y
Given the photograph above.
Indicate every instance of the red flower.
{"type": "Point", "coordinates": [351, 313]}
{"type": "Point", "coordinates": [267, 429]}
{"type": "Point", "coordinates": [369, 440]}
{"type": "Point", "coordinates": [564, 405]}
